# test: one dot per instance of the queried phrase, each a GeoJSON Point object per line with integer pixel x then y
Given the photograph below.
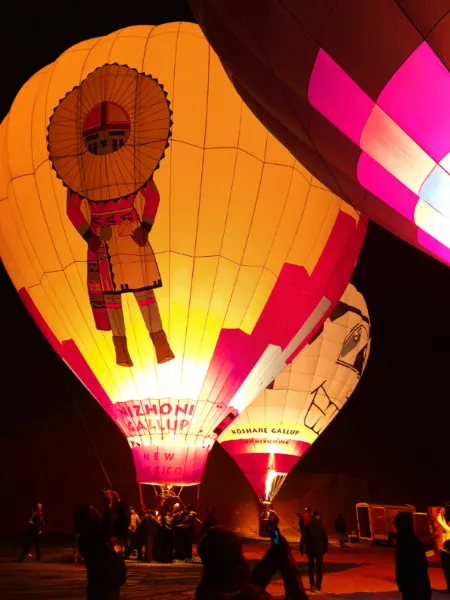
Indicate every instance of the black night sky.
{"type": "Point", "coordinates": [396, 425]}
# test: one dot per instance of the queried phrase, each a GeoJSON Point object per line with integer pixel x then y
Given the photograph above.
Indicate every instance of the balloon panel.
{"type": "Point", "coordinates": [174, 299]}
{"type": "Point", "coordinates": [286, 418]}
{"type": "Point", "coordinates": [359, 93]}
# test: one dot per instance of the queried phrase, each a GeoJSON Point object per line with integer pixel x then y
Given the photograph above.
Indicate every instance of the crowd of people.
{"type": "Point", "coordinates": [162, 536]}
{"type": "Point", "coordinates": [105, 539]}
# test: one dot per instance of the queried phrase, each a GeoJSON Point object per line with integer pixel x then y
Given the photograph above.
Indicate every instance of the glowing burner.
{"type": "Point", "coordinates": [274, 480]}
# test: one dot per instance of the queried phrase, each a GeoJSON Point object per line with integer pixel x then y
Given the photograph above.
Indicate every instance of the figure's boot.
{"type": "Point", "coordinates": [123, 358]}
{"type": "Point", "coordinates": [162, 348]}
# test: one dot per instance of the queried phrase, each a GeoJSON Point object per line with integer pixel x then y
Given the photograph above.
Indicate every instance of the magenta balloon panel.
{"type": "Point", "coordinates": [359, 91]}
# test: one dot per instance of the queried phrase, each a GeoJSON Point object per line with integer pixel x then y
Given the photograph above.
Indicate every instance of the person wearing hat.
{"type": "Point", "coordinates": [226, 573]}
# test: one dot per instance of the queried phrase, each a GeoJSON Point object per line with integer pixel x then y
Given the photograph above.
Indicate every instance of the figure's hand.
{"type": "Point", "coordinates": [94, 242]}
{"type": "Point", "coordinates": [140, 236]}
{"type": "Point", "coordinates": [108, 496]}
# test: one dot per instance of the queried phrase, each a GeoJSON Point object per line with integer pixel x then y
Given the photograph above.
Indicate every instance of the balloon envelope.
{"type": "Point", "coordinates": [269, 437]}
{"type": "Point", "coordinates": [359, 92]}
{"type": "Point", "coordinates": [170, 249]}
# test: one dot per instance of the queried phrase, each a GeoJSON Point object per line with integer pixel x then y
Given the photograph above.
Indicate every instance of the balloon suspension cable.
{"type": "Point", "coordinates": [198, 505]}
{"type": "Point", "coordinates": [167, 493]}
{"type": "Point", "coordinates": [88, 433]}
{"type": "Point", "coordinates": [141, 498]}
{"type": "Point", "coordinates": [286, 523]}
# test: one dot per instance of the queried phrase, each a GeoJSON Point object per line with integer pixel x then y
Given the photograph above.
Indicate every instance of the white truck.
{"type": "Point", "coordinates": [376, 522]}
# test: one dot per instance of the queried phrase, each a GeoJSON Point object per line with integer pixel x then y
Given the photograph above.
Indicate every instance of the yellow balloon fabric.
{"type": "Point", "coordinates": [269, 437]}
{"type": "Point", "coordinates": [165, 246]}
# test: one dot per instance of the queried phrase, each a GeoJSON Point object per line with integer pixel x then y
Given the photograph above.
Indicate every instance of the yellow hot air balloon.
{"type": "Point", "coordinates": [279, 426]}
{"type": "Point", "coordinates": [171, 250]}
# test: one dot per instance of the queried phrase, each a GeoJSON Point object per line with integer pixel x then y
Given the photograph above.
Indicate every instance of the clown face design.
{"type": "Point", "coordinates": [341, 347]}
{"type": "Point", "coordinates": [354, 349]}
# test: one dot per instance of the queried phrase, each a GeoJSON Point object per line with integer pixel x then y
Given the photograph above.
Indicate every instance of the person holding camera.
{"type": "Point", "coordinates": [226, 572]}
{"type": "Point", "coordinates": [100, 547]}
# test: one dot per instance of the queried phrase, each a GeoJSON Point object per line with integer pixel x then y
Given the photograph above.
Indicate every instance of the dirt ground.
{"type": "Point", "coordinates": [363, 572]}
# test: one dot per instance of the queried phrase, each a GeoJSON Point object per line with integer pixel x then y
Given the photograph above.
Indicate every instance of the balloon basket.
{"type": "Point", "coordinates": [263, 528]}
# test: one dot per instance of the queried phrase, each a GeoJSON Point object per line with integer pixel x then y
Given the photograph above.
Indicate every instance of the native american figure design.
{"type": "Point", "coordinates": [105, 140]}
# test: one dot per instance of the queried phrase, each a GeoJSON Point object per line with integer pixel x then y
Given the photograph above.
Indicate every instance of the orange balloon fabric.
{"type": "Point", "coordinates": [171, 250]}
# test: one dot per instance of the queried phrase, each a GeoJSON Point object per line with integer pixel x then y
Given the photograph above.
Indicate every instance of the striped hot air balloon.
{"type": "Point", "coordinates": [171, 250]}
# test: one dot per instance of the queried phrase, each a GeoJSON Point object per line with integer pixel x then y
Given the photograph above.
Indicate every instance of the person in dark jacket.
{"type": "Point", "coordinates": [141, 534]}
{"type": "Point", "coordinates": [314, 543]}
{"type": "Point", "coordinates": [146, 533]}
{"type": "Point", "coordinates": [35, 528]}
{"type": "Point", "coordinates": [101, 551]}
{"type": "Point", "coordinates": [340, 527]}
{"type": "Point", "coordinates": [164, 541]}
{"type": "Point", "coordinates": [179, 543]}
{"type": "Point", "coordinates": [226, 574]}
{"type": "Point", "coordinates": [411, 564]}
{"type": "Point", "coordinates": [152, 531]}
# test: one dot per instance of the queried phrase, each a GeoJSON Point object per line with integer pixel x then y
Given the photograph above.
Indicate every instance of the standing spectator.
{"type": "Point", "coordinates": [178, 531]}
{"type": "Point", "coordinates": [153, 527]}
{"type": "Point", "coordinates": [101, 551]}
{"type": "Point", "coordinates": [314, 543]}
{"type": "Point", "coordinates": [443, 519]}
{"type": "Point", "coordinates": [189, 531]}
{"type": "Point", "coordinates": [141, 534]}
{"type": "Point", "coordinates": [35, 528]}
{"type": "Point", "coordinates": [165, 538]}
{"type": "Point", "coordinates": [304, 518]}
{"type": "Point", "coordinates": [132, 528]}
{"type": "Point", "coordinates": [264, 514]}
{"type": "Point", "coordinates": [341, 529]}
{"type": "Point", "coordinates": [411, 564]}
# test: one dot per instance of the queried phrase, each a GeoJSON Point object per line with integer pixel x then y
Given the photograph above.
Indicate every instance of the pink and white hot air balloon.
{"type": "Point", "coordinates": [269, 437]}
